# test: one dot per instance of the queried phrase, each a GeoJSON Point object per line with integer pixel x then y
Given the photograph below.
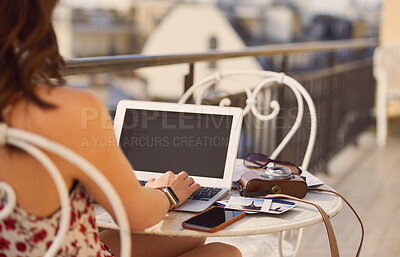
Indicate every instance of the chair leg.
{"type": "Point", "coordinates": [296, 236]}
{"type": "Point", "coordinates": [381, 113]}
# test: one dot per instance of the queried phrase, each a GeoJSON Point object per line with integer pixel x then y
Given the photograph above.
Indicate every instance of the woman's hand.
{"type": "Point", "coordinates": [182, 185]}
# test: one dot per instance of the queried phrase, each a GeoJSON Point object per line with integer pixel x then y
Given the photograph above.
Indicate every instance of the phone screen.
{"type": "Point", "coordinates": [213, 218]}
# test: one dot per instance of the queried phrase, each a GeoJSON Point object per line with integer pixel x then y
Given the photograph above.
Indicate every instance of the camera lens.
{"type": "Point", "coordinates": [278, 172]}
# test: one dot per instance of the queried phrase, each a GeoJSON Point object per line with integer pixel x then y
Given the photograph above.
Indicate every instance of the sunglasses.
{"type": "Point", "coordinates": [261, 161]}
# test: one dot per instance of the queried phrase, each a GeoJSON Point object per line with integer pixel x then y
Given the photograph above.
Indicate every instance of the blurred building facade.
{"type": "Point", "coordinates": [106, 27]}
{"type": "Point", "coordinates": [184, 30]}
{"type": "Point", "coordinates": [123, 26]}
{"type": "Point", "coordinates": [83, 32]}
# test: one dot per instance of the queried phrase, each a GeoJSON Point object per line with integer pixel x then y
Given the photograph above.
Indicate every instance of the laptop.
{"type": "Point", "coordinates": [201, 140]}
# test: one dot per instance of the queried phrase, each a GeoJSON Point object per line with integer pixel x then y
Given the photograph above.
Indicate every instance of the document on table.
{"type": "Point", "coordinates": [256, 205]}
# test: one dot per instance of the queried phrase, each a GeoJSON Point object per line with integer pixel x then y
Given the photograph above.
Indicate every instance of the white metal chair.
{"type": "Point", "coordinates": [29, 143]}
{"type": "Point", "coordinates": [387, 74]}
{"type": "Point", "coordinates": [268, 80]}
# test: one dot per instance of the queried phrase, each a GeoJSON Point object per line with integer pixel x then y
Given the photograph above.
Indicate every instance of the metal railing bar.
{"type": "Point", "coordinates": [337, 69]}
{"type": "Point", "coordinates": [77, 66]}
{"type": "Point", "coordinates": [326, 72]}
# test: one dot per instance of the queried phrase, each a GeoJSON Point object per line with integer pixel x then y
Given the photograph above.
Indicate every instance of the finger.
{"type": "Point", "coordinates": [151, 179]}
{"type": "Point", "coordinates": [189, 181]}
{"type": "Point", "coordinates": [183, 175]}
{"type": "Point", "coordinates": [169, 174]}
{"type": "Point", "coordinates": [195, 186]}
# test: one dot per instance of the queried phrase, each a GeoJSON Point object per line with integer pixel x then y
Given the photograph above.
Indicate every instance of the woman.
{"type": "Point", "coordinates": [31, 99]}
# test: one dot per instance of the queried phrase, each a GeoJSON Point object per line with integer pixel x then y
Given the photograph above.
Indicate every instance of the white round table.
{"type": "Point", "coordinates": [300, 216]}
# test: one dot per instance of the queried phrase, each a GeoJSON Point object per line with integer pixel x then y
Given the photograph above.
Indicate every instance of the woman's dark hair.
{"type": "Point", "coordinates": [28, 50]}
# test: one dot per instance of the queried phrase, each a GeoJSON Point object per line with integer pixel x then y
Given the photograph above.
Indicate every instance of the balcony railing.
{"type": "Point", "coordinates": [343, 91]}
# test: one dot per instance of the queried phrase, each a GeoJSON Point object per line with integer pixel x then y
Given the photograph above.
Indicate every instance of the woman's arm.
{"type": "Point", "coordinates": [92, 136]}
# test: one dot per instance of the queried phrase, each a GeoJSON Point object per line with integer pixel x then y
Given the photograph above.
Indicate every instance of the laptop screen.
{"type": "Point", "coordinates": [159, 141]}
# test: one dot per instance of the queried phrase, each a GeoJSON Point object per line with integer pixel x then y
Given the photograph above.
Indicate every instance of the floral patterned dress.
{"type": "Point", "coordinates": [23, 234]}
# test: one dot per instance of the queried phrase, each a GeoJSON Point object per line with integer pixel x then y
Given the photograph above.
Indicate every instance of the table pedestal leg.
{"type": "Point", "coordinates": [296, 236]}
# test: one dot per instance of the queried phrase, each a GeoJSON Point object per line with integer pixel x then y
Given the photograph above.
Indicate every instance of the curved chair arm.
{"type": "Point", "coordinates": [30, 142]}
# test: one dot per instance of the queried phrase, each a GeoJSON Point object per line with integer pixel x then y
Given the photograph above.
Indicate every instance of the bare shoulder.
{"type": "Point", "coordinates": [78, 110]}
{"type": "Point", "coordinates": [67, 97]}
{"type": "Point", "coordinates": [77, 113]}
{"type": "Point", "coordinates": [72, 105]}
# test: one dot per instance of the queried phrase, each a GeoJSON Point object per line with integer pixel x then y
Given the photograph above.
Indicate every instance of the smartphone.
{"type": "Point", "coordinates": [213, 219]}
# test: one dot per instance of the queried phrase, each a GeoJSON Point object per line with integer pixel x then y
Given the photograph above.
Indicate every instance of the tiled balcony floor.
{"type": "Point", "coordinates": [369, 177]}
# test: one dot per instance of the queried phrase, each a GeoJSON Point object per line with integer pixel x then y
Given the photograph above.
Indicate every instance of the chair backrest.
{"type": "Point", "coordinates": [29, 143]}
{"type": "Point", "coordinates": [387, 64]}
{"type": "Point", "coordinates": [268, 80]}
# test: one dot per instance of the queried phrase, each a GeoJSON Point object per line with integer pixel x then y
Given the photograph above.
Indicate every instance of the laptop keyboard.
{"type": "Point", "coordinates": [203, 194]}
